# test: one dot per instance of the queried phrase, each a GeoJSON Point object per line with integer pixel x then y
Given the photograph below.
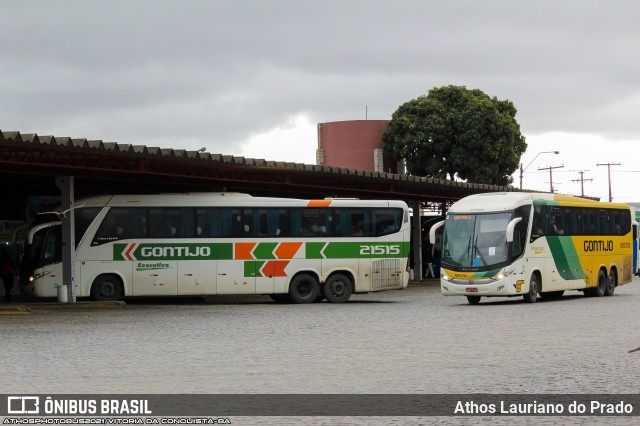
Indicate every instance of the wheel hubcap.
{"type": "Point", "coordinates": [107, 289]}
{"type": "Point", "coordinates": [304, 289]}
{"type": "Point", "coordinates": [337, 288]}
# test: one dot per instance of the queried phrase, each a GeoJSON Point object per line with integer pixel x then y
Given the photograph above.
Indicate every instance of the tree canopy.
{"type": "Point", "coordinates": [456, 131]}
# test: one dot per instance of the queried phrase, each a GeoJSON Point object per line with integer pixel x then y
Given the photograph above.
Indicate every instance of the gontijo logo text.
{"type": "Point", "coordinates": [36, 405]}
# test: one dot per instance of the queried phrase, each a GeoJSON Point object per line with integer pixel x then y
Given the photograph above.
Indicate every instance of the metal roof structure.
{"type": "Point", "coordinates": [28, 164]}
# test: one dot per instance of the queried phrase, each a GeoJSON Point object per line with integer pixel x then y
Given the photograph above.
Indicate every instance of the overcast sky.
{"type": "Point", "coordinates": [253, 78]}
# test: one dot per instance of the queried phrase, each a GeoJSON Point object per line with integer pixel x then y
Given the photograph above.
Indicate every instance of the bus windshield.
{"type": "Point", "coordinates": [44, 247]}
{"type": "Point", "coordinates": [476, 240]}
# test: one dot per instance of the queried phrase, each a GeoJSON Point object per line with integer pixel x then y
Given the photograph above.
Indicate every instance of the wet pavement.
{"type": "Point", "coordinates": [409, 341]}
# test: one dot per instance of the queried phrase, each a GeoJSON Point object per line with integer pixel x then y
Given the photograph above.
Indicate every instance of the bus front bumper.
{"type": "Point", "coordinates": [504, 287]}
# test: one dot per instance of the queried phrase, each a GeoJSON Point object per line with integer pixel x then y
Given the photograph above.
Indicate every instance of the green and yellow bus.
{"type": "Point", "coordinates": [527, 244]}
{"type": "Point", "coordinates": [225, 243]}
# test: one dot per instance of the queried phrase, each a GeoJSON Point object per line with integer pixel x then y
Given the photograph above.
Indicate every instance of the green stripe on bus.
{"type": "Point", "coordinates": [565, 257]}
{"type": "Point", "coordinates": [546, 203]}
{"type": "Point", "coordinates": [224, 251]}
{"type": "Point", "coordinates": [314, 250]}
{"type": "Point", "coordinates": [355, 250]}
{"type": "Point", "coordinates": [174, 251]}
{"type": "Point", "coordinates": [252, 268]}
{"type": "Point", "coordinates": [265, 251]}
{"type": "Point", "coordinates": [486, 274]}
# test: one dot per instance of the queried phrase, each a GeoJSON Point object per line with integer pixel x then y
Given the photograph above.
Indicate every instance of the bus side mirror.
{"type": "Point", "coordinates": [510, 228]}
{"type": "Point", "coordinates": [432, 231]}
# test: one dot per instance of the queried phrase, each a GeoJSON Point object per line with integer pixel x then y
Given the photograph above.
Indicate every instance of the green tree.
{"type": "Point", "coordinates": [454, 130]}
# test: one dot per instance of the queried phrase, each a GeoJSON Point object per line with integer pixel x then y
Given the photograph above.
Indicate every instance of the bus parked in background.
{"type": "Point", "coordinates": [225, 243]}
{"type": "Point", "coordinates": [510, 244]}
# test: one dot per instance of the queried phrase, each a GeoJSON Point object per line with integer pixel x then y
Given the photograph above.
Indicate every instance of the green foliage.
{"type": "Point", "coordinates": [454, 130]}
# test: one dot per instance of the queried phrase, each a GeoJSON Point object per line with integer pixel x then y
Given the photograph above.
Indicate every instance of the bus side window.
{"type": "Point", "coordinates": [557, 222]}
{"type": "Point", "coordinates": [237, 228]}
{"type": "Point", "coordinates": [121, 223]}
{"type": "Point", "coordinates": [283, 223]}
{"type": "Point", "coordinates": [313, 224]}
{"type": "Point", "coordinates": [295, 219]}
{"type": "Point", "coordinates": [387, 221]}
{"type": "Point", "coordinates": [249, 228]}
{"type": "Point", "coordinates": [156, 226]}
{"type": "Point", "coordinates": [537, 227]}
{"type": "Point", "coordinates": [203, 230]}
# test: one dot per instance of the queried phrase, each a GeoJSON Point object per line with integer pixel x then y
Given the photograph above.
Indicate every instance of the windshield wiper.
{"type": "Point", "coordinates": [478, 252]}
{"type": "Point", "coordinates": [466, 251]}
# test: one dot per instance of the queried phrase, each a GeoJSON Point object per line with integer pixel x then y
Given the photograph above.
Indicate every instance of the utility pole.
{"type": "Point", "coordinates": [582, 180]}
{"type": "Point", "coordinates": [609, 174]}
{"type": "Point", "coordinates": [550, 168]}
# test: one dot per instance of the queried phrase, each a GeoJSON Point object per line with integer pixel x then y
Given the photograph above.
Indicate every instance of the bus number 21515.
{"type": "Point", "coordinates": [378, 250]}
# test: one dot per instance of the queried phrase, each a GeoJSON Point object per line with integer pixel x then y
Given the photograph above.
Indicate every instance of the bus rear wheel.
{"type": "Point", "coordinates": [473, 300]}
{"type": "Point", "coordinates": [106, 287]}
{"type": "Point", "coordinates": [534, 286]}
{"type": "Point", "coordinates": [602, 284]}
{"type": "Point", "coordinates": [304, 288]}
{"type": "Point", "coordinates": [612, 281]}
{"type": "Point", "coordinates": [338, 288]}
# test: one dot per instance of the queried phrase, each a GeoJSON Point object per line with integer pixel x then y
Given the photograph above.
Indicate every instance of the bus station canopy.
{"type": "Point", "coordinates": [29, 163]}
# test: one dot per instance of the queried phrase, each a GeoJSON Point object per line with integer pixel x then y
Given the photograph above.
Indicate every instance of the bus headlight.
{"type": "Point", "coordinates": [31, 278]}
{"type": "Point", "coordinates": [445, 277]}
{"type": "Point", "coordinates": [502, 275]}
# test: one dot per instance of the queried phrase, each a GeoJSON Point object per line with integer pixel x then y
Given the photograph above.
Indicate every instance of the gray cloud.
{"type": "Point", "coordinates": [184, 74]}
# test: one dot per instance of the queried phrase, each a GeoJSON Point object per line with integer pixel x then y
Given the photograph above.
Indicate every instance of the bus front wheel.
{"type": "Point", "coordinates": [338, 288]}
{"type": "Point", "coordinates": [106, 287]}
{"type": "Point", "coordinates": [304, 288]}
{"type": "Point", "coordinates": [534, 286]}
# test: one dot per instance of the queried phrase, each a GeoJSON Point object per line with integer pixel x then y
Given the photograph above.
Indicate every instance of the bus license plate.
{"type": "Point", "coordinates": [472, 290]}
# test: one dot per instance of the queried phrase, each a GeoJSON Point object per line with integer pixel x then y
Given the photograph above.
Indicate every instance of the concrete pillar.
{"type": "Point", "coordinates": [416, 240]}
{"type": "Point", "coordinates": [66, 185]}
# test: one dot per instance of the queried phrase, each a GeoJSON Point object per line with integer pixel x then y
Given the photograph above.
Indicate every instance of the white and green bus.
{"type": "Point", "coordinates": [523, 244]}
{"type": "Point", "coordinates": [225, 243]}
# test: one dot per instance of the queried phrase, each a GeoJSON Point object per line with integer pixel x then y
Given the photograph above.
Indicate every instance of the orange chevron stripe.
{"type": "Point", "coordinates": [243, 251]}
{"type": "Point", "coordinates": [287, 250]}
{"type": "Point", "coordinates": [275, 268]}
{"type": "Point", "coordinates": [318, 203]}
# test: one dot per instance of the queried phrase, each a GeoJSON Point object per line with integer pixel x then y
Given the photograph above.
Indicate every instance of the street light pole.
{"type": "Point", "coordinates": [531, 162]}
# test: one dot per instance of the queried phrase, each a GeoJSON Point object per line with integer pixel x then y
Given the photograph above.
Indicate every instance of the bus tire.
{"type": "Point", "coordinates": [601, 288]}
{"type": "Point", "coordinates": [106, 287]}
{"type": "Point", "coordinates": [473, 300]}
{"type": "Point", "coordinates": [304, 288]}
{"type": "Point", "coordinates": [612, 282]}
{"type": "Point", "coordinates": [534, 286]}
{"type": "Point", "coordinates": [338, 288]}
